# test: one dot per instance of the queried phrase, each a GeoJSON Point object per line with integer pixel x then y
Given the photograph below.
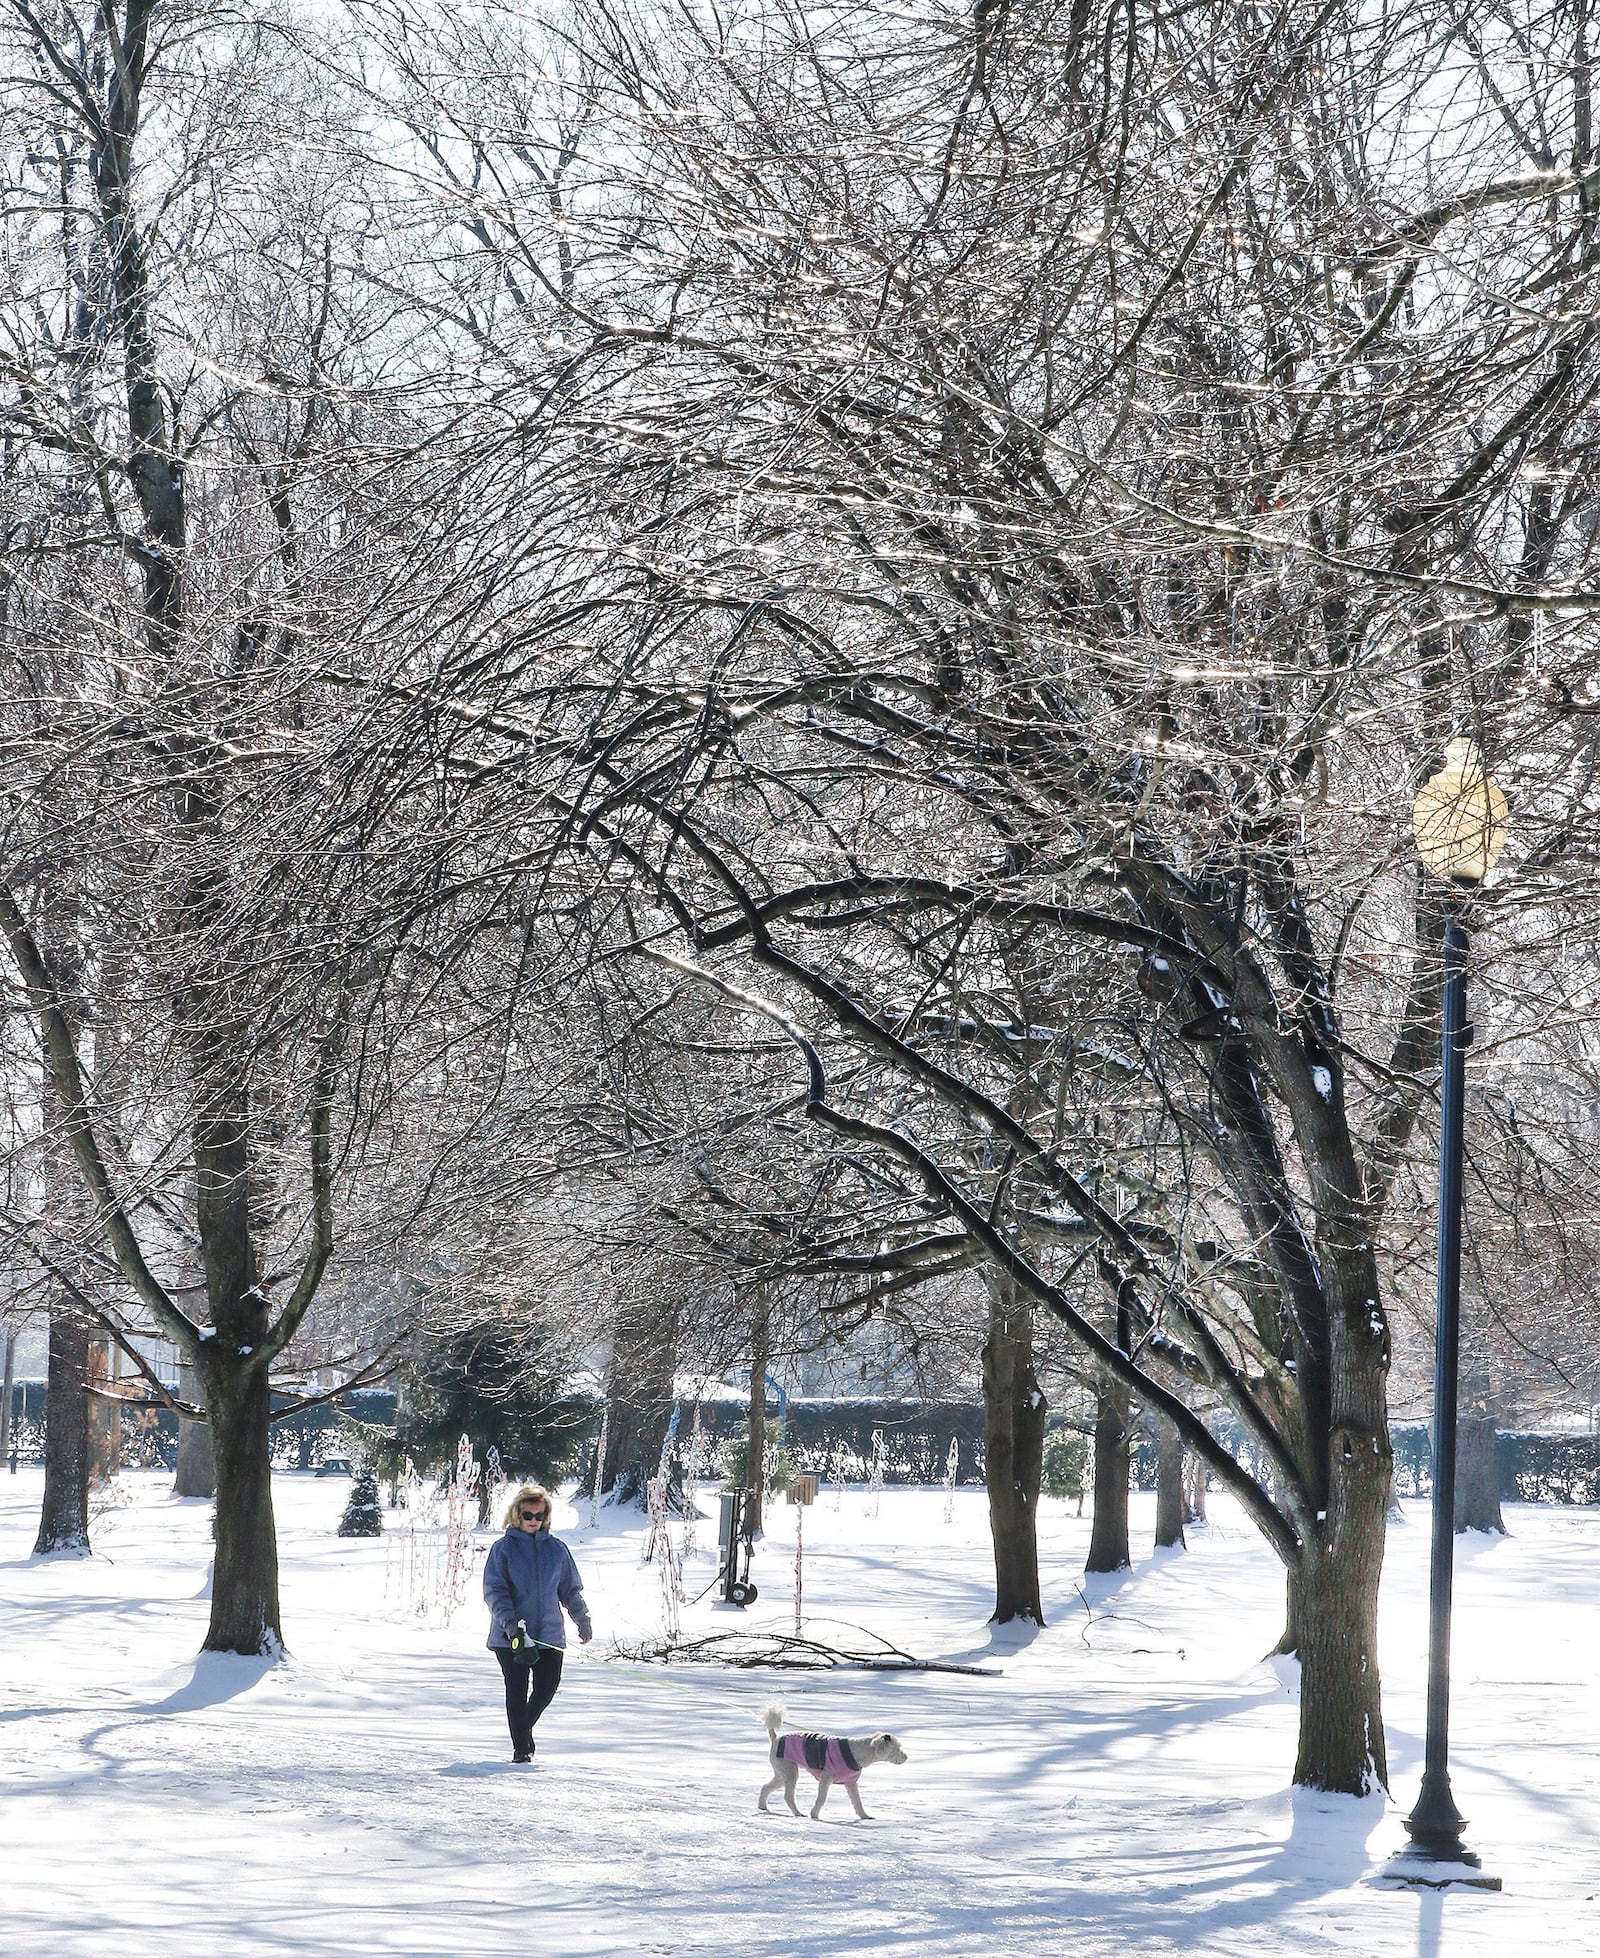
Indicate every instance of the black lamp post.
{"type": "Point", "coordinates": [1460, 822]}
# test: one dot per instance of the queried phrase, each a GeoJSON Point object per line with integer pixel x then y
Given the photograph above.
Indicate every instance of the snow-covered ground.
{"type": "Point", "coordinates": [1119, 1786]}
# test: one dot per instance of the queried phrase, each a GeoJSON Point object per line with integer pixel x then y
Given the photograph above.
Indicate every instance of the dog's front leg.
{"type": "Point", "coordinates": [855, 1800]}
{"type": "Point", "coordinates": [824, 1783]}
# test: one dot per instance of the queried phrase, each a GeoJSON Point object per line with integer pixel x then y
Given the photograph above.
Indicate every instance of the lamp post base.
{"type": "Point", "coordinates": [1415, 1868]}
{"type": "Point", "coordinates": [1435, 1858]}
{"type": "Point", "coordinates": [1435, 1825]}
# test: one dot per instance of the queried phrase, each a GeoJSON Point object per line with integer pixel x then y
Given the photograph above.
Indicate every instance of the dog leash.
{"type": "Point", "coordinates": [628, 1668]}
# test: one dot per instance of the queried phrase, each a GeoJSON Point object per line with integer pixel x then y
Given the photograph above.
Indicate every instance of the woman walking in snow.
{"type": "Point", "coordinates": [528, 1579]}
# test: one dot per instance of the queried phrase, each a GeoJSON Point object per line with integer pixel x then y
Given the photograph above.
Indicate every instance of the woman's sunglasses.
{"type": "Point", "coordinates": [534, 1515]}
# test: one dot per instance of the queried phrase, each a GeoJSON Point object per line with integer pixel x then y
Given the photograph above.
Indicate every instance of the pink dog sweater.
{"type": "Point", "coordinates": [822, 1754]}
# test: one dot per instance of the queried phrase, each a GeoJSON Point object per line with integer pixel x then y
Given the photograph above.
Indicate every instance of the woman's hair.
{"type": "Point", "coordinates": [530, 1491]}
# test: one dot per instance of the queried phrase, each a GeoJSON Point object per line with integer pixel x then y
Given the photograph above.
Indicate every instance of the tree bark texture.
{"type": "Point", "coordinates": [1477, 1468]}
{"type": "Point", "coordinates": [1169, 1486]}
{"type": "Point", "coordinates": [1342, 1747]}
{"type": "Point", "coordinates": [1014, 1411]}
{"type": "Point", "coordinates": [64, 1511]}
{"type": "Point", "coordinates": [231, 1364]}
{"type": "Point", "coordinates": [244, 1583]}
{"type": "Point", "coordinates": [64, 1514]}
{"type": "Point", "coordinates": [1108, 1537]}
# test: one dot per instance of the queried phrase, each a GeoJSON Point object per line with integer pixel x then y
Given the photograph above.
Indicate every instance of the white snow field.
{"type": "Point", "coordinates": [1119, 1786]}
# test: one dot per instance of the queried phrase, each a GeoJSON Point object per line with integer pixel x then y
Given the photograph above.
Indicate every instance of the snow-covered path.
{"type": "Point", "coordinates": [1120, 1787]}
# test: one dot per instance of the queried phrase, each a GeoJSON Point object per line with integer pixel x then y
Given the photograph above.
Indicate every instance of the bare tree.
{"type": "Point", "coordinates": [180, 485]}
{"type": "Point", "coordinates": [1060, 494]}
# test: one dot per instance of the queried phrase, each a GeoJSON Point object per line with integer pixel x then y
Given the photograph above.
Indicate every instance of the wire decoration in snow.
{"type": "Point", "coordinates": [659, 1536]}
{"type": "Point", "coordinates": [691, 1473]}
{"type": "Point", "coordinates": [875, 1479]}
{"type": "Point", "coordinates": [599, 1467]}
{"type": "Point", "coordinates": [429, 1562]}
{"type": "Point", "coordinates": [666, 1562]}
{"type": "Point", "coordinates": [667, 1440]}
{"type": "Point", "coordinates": [799, 1552]}
{"type": "Point", "coordinates": [950, 1480]}
{"type": "Point", "coordinates": [414, 1564]}
{"type": "Point", "coordinates": [461, 1513]}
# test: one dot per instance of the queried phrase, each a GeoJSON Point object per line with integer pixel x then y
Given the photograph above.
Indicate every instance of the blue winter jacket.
{"type": "Point", "coordinates": [531, 1578]}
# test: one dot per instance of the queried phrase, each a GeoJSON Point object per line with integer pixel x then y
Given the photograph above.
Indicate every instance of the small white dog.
{"type": "Point", "coordinates": [828, 1757]}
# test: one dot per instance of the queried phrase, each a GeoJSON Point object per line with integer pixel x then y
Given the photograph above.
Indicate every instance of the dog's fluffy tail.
{"type": "Point", "coordinates": [774, 1718]}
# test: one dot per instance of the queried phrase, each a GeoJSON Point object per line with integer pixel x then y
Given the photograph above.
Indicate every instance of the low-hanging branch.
{"type": "Point", "coordinates": [1285, 1536]}
{"type": "Point", "coordinates": [79, 1130]}
{"type": "Point", "coordinates": [1133, 1260]}
{"type": "Point", "coordinates": [61, 1053]}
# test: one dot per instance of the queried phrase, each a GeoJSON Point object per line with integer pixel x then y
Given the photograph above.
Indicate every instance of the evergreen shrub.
{"type": "Point", "coordinates": [363, 1513]}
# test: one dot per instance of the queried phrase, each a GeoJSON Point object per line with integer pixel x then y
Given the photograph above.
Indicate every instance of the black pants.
{"type": "Point", "coordinates": [529, 1690]}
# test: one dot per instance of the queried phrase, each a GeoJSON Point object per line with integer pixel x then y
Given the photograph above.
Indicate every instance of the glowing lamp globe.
{"type": "Point", "coordinates": [1459, 817]}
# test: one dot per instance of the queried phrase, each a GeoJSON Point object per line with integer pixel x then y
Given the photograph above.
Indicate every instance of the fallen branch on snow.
{"type": "Point", "coordinates": [787, 1652]}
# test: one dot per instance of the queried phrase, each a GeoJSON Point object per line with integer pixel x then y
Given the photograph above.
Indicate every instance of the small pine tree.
{"type": "Point", "coordinates": [1066, 1457]}
{"type": "Point", "coordinates": [363, 1513]}
{"type": "Point", "coordinates": [779, 1468]}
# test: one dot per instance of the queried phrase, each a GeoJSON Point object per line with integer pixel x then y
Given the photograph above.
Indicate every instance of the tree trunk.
{"type": "Point", "coordinates": [643, 1364]}
{"type": "Point", "coordinates": [105, 1418]}
{"type": "Point", "coordinates": [1342, 1745]}
{"type": "Point", "coordinates": [105, 1362]}
{"type": "Point", "coordinates": [1169, 1486]}
{"type": "Point", "coordinates": [1194, 1493]}
{"type": "Point", "coordinates": [244, 1582]}
{"type": "Point", "coordinates": [64, 1514]}
{"type": "Point", "coordinates": [1014, 1412]}
{"type": "Point", "coordinates": [6, 1393]}
{"type": "Point", "coordinates": [1108, 1536]}
{"type": "Point", "coordinates": [1477, 1463]}
{"type": "Point", "coordinates": [1335, 1597]}
{"type": "Point", "coordinates": [197, 1462]}
{"type": "Point", "coordinates": [1477, 1491]}
{"type": "Point", "coordinates": [756, 1448]}
{"type": "Point", "coordinates": [232, 1356]}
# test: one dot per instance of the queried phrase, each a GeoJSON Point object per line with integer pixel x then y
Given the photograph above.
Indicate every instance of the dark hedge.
{"type": "Point", "coordinates": [833, 1439]}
